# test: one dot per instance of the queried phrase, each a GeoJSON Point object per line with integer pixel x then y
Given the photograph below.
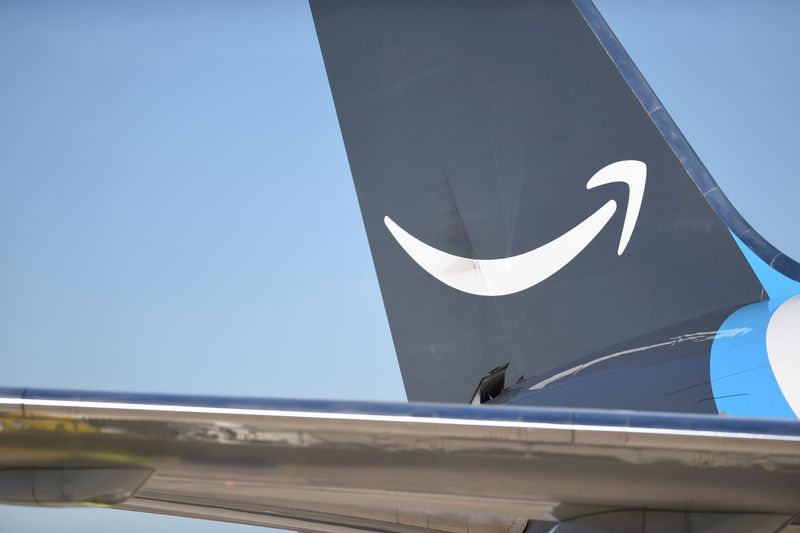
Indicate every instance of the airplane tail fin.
{"type": "Point", "coordinates": [526, 197]}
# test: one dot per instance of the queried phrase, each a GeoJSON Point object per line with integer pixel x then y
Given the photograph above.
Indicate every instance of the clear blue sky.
{"type": "Point", "coordinates": [177, 214]}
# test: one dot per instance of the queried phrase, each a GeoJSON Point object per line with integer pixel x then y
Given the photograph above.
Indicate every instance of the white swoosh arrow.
{"type": "Point", "coordinates": [498, 277]}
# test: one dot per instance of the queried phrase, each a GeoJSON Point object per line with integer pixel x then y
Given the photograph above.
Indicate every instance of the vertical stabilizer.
{"type": "Point", "coordinates": [522, 204]}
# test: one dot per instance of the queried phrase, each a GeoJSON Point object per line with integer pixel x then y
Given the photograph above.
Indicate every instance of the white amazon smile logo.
{"type": "Point", "coordinates": [498, 277]}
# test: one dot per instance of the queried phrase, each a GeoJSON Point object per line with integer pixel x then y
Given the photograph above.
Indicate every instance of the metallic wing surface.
{"type": "Point", "coordinates": [336, 466]}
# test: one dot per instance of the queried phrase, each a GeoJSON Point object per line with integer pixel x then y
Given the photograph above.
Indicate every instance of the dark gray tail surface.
{"type": "Point", "coordinates": [499, 157]}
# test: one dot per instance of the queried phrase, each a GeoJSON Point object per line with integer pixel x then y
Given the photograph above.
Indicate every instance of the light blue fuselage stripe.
{"type": "Point", "coordinates": [742, 379]}
{"type": "Point", "coordinates": [741, 376]}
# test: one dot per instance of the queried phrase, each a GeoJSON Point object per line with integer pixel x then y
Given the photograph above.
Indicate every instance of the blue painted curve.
{"type": "Point", "coordinates": [742, 379]}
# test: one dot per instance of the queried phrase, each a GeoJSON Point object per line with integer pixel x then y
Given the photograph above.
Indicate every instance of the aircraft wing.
{"type": "Point", "coordinates": [322, 466]}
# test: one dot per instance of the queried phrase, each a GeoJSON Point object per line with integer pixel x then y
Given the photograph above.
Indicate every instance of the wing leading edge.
{"type": "Point", "coordinates": [332, 466]}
